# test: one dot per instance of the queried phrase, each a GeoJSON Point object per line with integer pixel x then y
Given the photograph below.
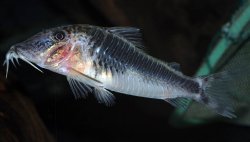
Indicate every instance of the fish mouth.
{"type": "Point", "coordinates": [13, 55]}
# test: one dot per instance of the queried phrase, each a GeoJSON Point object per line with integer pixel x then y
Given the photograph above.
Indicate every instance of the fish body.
{"type": "Point", "coordinates": [101, 60]}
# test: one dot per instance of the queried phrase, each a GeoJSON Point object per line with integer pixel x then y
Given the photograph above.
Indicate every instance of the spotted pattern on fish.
{"type": "Point", "coordinates": [101, 59]}
{"type": "Point", "coordinates": [121, 55]}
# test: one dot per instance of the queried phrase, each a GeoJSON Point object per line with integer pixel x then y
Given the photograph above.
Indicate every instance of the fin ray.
{"type": "Point", "coordinates": [130, 33]}
{"type": "Point", "coordinates": [104, 96]}
{"type": "Point", "coordinates": [83, 86]}
{"type": "Point", "coordinates": [179, 102]}
{"type": "Point", "coordinates": [79, 89]}
{"type": "Point", "coordinates": [217, 94]}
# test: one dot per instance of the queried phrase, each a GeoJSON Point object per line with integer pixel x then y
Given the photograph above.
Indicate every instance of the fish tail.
{"type": "Point", "coordinates": [216, 95]}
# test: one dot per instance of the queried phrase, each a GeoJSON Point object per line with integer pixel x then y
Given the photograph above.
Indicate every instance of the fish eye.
{"type": "Point", "coordinates": [59, 35]}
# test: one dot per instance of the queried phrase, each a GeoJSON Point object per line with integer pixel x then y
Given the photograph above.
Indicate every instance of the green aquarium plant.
{"type": "Point", "coordinates": [229, 49]}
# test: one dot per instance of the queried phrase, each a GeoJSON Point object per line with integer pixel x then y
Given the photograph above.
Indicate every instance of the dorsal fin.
{"type": "Point", "coordinates": [130, 33]}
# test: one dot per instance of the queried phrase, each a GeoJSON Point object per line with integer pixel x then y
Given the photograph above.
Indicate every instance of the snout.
{"type": "Point", "coordinates": [11, 54]}
{"type": "Point", "coordinates": [15, 53]}
{"type": "Point", "coordinates": [21, 50]}
{"type": "Point", "coordinates": [12, 51]}
{"type": "Point", "coordinates": [17, 50]}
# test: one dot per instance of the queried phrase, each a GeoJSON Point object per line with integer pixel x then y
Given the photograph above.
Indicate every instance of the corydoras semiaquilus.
{"type": "Point", "coordinates": [101, 60]}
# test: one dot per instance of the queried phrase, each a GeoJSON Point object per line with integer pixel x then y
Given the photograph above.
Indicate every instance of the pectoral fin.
{"type": "Point", "coordinates": [81, 84]}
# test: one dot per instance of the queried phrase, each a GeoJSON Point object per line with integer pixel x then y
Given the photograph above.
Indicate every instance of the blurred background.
{"type": "Point", "coordinates": [40, 107]}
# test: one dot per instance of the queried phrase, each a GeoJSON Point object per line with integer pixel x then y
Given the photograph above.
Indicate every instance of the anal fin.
{"type": "Point", "coordinates": [179, 102]}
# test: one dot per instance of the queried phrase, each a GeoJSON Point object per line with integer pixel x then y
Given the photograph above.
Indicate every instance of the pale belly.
{"type": "Point", "coordinates": [131, 83]}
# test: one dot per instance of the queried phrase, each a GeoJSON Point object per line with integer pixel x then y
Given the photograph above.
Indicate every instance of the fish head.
{"type": "Point", "coordinates": [46, 49]}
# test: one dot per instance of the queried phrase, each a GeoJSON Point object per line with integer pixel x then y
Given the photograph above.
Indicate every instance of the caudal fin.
{"type": "Point", "coordinates": [216, 93]}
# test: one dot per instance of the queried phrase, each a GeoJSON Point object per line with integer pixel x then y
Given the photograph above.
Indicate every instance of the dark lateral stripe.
{"type": "Point", "coordinates": [191, 86]}
{"type": "Point", "coordinates": [117, 53]}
